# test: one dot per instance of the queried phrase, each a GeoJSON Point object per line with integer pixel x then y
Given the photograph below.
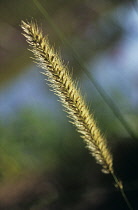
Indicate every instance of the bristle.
{"type": "Point", "coordinates": [62, 84]}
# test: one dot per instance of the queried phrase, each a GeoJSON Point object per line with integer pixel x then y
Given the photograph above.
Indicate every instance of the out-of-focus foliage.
{"type": "Point", "coordinates": [31, 141]}
{"type": "Point", "coordinates": [87, 25]}
{"type": "Point", "coordinates": [34, 146]}
{"type": "Point", "coordinates": [46, 166]}
{"type": "Point", "coordinates": [43, 161]}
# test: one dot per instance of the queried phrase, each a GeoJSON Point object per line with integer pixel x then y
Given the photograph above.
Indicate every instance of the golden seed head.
{"type": "Point", "coordinates": [62, 84]}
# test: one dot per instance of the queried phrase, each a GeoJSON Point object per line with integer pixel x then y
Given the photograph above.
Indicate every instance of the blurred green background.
{"type": "Point", "coordinates": [43, 162]}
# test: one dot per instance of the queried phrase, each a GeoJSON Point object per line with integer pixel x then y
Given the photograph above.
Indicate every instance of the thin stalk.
{"type": "Point", "coordinates": [135, 5]}
{"type": "Point", "coordinates": [119, 185]}
{"type": "Point", "coordinates": [107, 99]}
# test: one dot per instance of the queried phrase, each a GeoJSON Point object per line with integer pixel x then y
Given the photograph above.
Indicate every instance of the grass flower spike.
{"type": "Point", "coordinates": [70, 97]}
{"type": "Point", "coordinates": [63, 86]}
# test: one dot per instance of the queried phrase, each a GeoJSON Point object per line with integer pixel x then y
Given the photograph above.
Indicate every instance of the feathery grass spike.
{"type": "Point", "coordinates": [70, 97]}
{"type": "Point", "coordinates": [63, 86]}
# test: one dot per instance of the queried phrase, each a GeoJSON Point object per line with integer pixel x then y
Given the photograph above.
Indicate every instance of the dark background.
{"type": "Point", "coordinates": [43, 162]}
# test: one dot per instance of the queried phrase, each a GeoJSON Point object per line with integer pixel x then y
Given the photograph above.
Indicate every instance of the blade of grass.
{"type": "Point", "coordinates": [108, 100]}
